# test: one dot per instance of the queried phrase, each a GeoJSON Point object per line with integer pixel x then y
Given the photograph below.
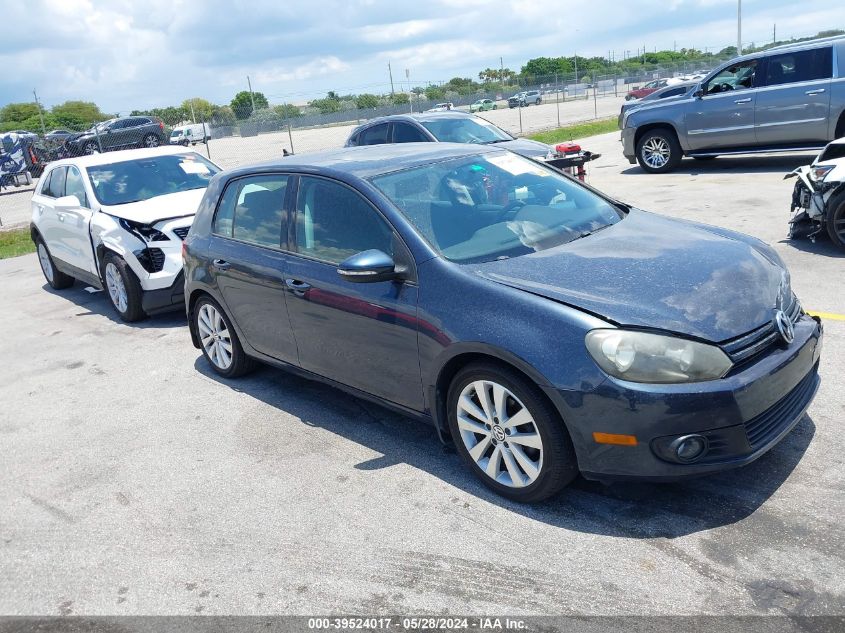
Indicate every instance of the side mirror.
{"type": "Point", "coordinates": [368, 266]}
{"type": "Point", "coordinates": [67, 203]}
{"type": "Point", "coordinates": [699, 92]}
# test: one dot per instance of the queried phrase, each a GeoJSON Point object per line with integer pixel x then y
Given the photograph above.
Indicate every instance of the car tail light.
{"type": "Point", "coordinates": [161, 125]}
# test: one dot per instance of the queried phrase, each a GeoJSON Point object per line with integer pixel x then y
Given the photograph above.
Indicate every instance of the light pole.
{"type": "Point", "coordinates": [739, 27]}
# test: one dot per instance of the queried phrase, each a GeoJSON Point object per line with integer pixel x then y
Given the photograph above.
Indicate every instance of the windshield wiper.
{"type": "Point", "coordinates": [590, 232]}
{"type": "Point", "coordinates": [497, 140]}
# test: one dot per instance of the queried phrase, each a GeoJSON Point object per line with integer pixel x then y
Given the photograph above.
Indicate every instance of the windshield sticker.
{"type": "Point", "coordinates": [191, 167]}
{"type": "Point", "coordinates": [516, 166]}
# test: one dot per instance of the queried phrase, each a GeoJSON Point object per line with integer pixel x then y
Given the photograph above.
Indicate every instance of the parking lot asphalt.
{"type": "Point", "coordinates": [135, 481]}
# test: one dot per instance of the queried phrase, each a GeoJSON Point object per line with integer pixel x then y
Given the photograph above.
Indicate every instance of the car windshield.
{"type": "Point", "coordinates": [465, 130]}
{"type": "Point", "coordinates": [145, 178]}
{"type": "Point", "coordinates": [495, 206]}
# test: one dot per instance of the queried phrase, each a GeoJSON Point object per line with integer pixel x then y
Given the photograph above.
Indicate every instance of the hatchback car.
{"type": "Point", "coordinates": [483, 104]}
{"type": "Point", "coordinates": [546, 328]}
{"type": "Point", "coordinates": [116, 221]}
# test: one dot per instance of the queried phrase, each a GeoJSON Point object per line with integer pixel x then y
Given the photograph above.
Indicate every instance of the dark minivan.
{"type": "Point", "coordinates": [546, 328]}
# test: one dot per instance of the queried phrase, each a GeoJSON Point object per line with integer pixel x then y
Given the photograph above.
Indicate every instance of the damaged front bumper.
{"type": "Point", "coordinates": [810, 203]}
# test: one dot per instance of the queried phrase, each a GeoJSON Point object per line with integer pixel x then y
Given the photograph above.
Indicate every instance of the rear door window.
{"type": "Point", "coordinates": [253, 210]}
{"type": "Point", "coordinates": [55, 186]}
{"type": "Point", "coordinates": [376, 135]}
{"type": "Point", "coordinates": [800, 66]}
{"type": "Point", "coordinates": [407, 133]}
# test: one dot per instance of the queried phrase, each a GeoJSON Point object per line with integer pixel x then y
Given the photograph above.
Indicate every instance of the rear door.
{"type": "Point", "coordinates": [793, 104]}
{"type": "Point", "coordinates": [360, 334]}
{"type": "Point", "coordinates": [724, 115]}
{"type": "Point", "coordinates": [248, 232]}
{"type": "Point", "coordinates": [407, 133]}
{"type": "Point", "coordinates": [375, 135]}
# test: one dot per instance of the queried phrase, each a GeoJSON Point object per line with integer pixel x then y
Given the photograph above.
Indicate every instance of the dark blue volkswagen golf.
{"type": "Point", "coordinates": [544, 327]}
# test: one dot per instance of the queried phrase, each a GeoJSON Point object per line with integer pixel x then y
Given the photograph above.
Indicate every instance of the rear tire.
{"type": "Point", "coordinates": [532, 468]}
{"type": "Point", "coordinates": [123, 288]}
{"type": "Point", "coordinates": [836, 219]}
{"type": "Point", "coordinates": [658, 151]}
{"type": "Point", "coordinates": [150, 140]}
{"type": "Point", "coordinates": [90, 148]}
{"type": "Point", "coordinates": [56, 278]}
{"type": "Point", "coordinates": [218, 340]}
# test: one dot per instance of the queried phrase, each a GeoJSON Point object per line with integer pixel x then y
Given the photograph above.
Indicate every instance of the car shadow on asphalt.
{"type": "Point", "coordinates": [739, 164]}
{"type": "Point", "coordinates": [97, 303]}
{"type": "Point", "coordinates": [630, 510]}
{"type": "Point", "coordinates": [822, 246]}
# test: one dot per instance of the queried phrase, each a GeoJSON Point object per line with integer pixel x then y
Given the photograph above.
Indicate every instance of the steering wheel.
{"type": "Point", "coordinates": [512, 208]}
{"type": "Point", "coordinates": [724, 87]}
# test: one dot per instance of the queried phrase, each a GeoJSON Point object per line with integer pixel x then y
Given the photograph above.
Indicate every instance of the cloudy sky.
{"type": "Point", "coordinates": [125, 54]}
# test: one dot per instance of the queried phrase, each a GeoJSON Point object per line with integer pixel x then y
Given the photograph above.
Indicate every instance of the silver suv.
{"type": "Point", "coordinates": [786, 98]}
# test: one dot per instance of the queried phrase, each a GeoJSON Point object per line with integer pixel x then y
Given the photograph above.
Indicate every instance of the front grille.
{"type": "Point", "coordinates": [756, 341]}
{"type": "Point", "coordinates": [770, 423]}
{"type": "Point", "coordinates": [182, 232]}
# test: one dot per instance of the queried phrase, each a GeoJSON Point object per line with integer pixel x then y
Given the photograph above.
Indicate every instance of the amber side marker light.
{"type": "Point", "coordinates": [613, 438]}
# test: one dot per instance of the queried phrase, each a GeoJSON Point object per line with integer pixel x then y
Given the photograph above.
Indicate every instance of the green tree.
{"type": "Point", "coordinates": [242, 103]}
{"type": "Point", "coordinates": [366, 101]}
{"type": "Point", "coordinates": [401, 98]}
{"type": "Point", "coordinates": [18, 112]}
{"type": "Point", "coordinates": [222, 115]}
{"type": "Point", "coordinates": [77, 115]}
{"type": "Point", "coordinates": [433, 93]}
{"type": "Point", "coordinates": [287, 111]}
{"type": "Point", "coordinates": [200, 108]}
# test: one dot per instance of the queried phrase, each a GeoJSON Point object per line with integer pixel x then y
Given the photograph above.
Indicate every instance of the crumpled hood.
{"type": "Point", "coordinates": [655, 272]}
{"type": "Point", "coordinates": [172, 205]}
{"type": "Point", "coordinates": [526, 147]}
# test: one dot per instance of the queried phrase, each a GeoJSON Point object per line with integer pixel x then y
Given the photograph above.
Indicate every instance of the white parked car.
{"type": "Point", "coordinates": [818, 199]}
{"type": "Point", "coordinates": [441, 107]}
{"type": "Point", "coordinates": [116, 221]}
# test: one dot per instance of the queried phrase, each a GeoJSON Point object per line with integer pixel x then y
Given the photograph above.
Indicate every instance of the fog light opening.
{"type": "Point", "coordinates": [689, 448]}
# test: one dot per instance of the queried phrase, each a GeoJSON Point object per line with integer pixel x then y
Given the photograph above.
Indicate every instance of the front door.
{"type": "Point", "coordinates": [76, 222]}
{"type": "Point", "coordinates": [724, 114]}
{"type": "Point", "coordinates": [794, 104]}
{"type": "Point", "coordinates": [249, 232]}
{"type": "Point", "coordinates": [360, 334]}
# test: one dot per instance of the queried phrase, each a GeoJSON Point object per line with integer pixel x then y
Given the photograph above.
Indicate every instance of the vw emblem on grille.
{"type": "Point", "coordinates": [784, 326]}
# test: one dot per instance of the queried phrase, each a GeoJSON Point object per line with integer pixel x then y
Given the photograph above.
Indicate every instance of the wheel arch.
{"type": "Point", "coordinates": [839, 131]}
{"type": "Point", "coordinates": [648, 127]}
{"type": "Point", "coordinates": [196, 295]}
{"type": "Point", "coordinates": [466, 354]}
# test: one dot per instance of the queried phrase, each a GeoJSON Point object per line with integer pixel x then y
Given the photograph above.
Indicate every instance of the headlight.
{"type": "Point", "coordinates": [820, 171]}
{"type": "Point", "coordinates": [653, 358]}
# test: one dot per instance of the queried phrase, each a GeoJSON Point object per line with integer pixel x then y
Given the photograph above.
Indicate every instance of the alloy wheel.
{"type": "Point", "coordinates": [151, 141]}
{"type": "Point", "coordinates": [116, 288]}
{"type": "Point", "coordinates": [656, 152]}
{"type": "Point", "coordinates": [500, 434]}
{"type": "Point", "coordinates": [46, 264]}
{"type": "Point", "coordinates": [214, 336]}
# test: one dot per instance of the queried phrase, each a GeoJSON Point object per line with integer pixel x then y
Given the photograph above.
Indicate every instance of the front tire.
{"type": "Point", "coordinates": [90, 148]}
{"type": "Point", "coordinates": [836, 220]}
{"type": "Point", "coordinates": [658, 151]}
{"type": "Point", "coordinates": [56, 278]}
{"type": "Point", "coordinates": [123, 288]}
{"type": "Point", "coordinates": [509, 434]}
{"type": "Point", "coordinates": [218, 340]}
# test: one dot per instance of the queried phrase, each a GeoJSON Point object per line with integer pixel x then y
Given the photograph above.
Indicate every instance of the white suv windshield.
{"type": "Point", "coordinates": [145, 178]}
{"type": "Point", "coordinates": [495, 206]}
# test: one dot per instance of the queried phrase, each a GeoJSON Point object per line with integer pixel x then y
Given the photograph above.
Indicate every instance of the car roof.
{"type": "Point", "coordinates": [420, 117]}
{"type": "Point", "coordinates": [107, 158]}
{"type": "Point", "coordinates": [369, 160]}
{"type": "Point", "coordinates": [796, 46]}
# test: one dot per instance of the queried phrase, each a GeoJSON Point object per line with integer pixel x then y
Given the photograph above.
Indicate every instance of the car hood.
{"type": "Point", "coordinates": [525, 147]}
{"type": "Point", "coordinates": [172, 205]}
{"type": "Point", "coordinates": [655, 272]}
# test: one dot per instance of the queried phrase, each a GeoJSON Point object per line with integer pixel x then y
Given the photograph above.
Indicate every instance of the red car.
{"type": "Point", "coordinates": [651, 86]}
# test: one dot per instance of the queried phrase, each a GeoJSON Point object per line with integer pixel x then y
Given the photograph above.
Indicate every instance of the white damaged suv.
{"type": "Point", "coordinates": [116, 221]}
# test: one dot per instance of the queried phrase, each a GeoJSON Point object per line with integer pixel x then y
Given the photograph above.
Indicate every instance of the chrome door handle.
{"type": "Point", "coordinates": [221, 264]}
{"type": "Point", "coordinates": [299, 288]}
{"type": "Point", "coordinates": [61, 217]}
{"type": "Point", "coordinates": [817, 91]}
{"type": "Point", "coordinates": [747, 100]}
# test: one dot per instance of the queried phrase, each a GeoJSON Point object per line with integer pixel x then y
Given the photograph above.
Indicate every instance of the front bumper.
{"type": "Point", "coordinates": [742, 415]}
{"type": "Point", "coordinates": [629, 150]}
{"type": "Point", "coordinates": [165, 299]}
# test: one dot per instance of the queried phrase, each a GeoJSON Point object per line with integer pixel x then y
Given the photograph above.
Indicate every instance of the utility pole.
{"type": "Point", "coordinates": [193, 116]}
{"type": "Point", "coordinates": [251, 98]}
{"type": "Point", "coordinates": [390, 72]}
{"type": "Point", "coordinates": [739, 27]}
{"type": "Point", "coordinates": [40, 114]}
{"type": "Point", "coordinates": [774, 33]}
{"type": "Point", "coordinates": [502, 74]}
{"type": "Point", "coordinates": [576, 72]}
